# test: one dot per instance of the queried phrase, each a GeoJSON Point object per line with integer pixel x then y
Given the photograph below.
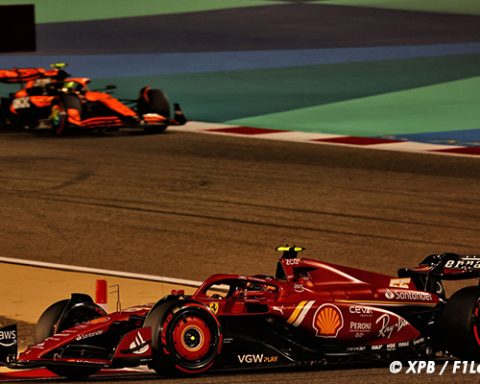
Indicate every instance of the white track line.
{"type": "Point", "coordinates": [98, 271]}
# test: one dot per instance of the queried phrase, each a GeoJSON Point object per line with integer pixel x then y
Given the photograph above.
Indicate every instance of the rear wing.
{"type": "Point", "coordinates": [446, 266]}
{"type": "Point", "coordinates": [430, 273]}
{"type": "Point", "coordinates": [22, 75]}
{"type": "Point", "coordinates": [452, 266]}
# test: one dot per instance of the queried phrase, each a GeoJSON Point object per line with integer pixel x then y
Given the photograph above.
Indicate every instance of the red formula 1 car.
{"type": "Point", "coordinates": [49, 97]}
{"type": "Point", "coordinates": [310, 313]}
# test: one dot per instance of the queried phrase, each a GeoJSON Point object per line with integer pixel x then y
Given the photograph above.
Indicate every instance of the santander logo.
{"type": "Point", "coordinates": [389, 294]}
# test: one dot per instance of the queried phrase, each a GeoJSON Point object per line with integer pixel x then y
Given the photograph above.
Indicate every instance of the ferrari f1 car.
{"type": "Point", "coordinates": [51, 98]}
{"type": "Point", "coordinates": [310, 313]}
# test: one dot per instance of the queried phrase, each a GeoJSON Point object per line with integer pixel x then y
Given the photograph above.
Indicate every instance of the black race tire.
{"type": "Point", "coordinates": [58, 114]}
{"type": "Point", "coordinates": [159, 102]}
{"type": "Point", "coordinates": [185, 340]}
{"type": "Point", "coordinates": [49, 323]}
{"type": "Point", "coordinates": [3, 112]}
{"type": "Point", "coordinates": [153, 101]}
{"type": "Point", "coordinates": [460, 324]}
{"type": "Point", "coordinates": [46, 324]}
{"type": "Point", "coordinates": [154, 129]}
{"type": "Point", "coordinates": [71, 372]}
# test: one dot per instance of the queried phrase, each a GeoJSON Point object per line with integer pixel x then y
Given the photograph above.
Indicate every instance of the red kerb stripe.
{"type": "Point", "coordinates": [353, 140]}
{"type": "Point", "coordinates": [464, 150]}
{"type": "Point", "coordinates": [246, 130]}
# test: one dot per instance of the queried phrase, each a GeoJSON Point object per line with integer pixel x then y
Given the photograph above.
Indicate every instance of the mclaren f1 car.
{"type": "Point", "coordinates": [51, 98]}
{"type": "Point", "coordinates": [310, 313]}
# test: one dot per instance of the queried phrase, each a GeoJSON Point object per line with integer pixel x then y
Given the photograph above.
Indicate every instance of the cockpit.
{"type": "Point", "coordinates": [239, 294]}
{"type": "Point", "coordinates": [237, 287]}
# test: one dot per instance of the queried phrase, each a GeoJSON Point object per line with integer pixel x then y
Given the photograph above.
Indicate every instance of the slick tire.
{"type": "Point", "coordinates": [73, 373]}
{"type": "Point", "coordinates": [185, 339]}
{"type": "Point", "coordinates": [153, 101]}
{"type": "Point", "coordinates": [154, 129]}
{"type": "Point", "coordinates": [59, 114]}
{"type": "Point", "coordinates": [47, 326]}
{"type": "Point", "coordinates": [3, 112]}
{"type": "Point", "coordinates": [47, 322]}
{"type": "Point", "coordinates": [460, 324]}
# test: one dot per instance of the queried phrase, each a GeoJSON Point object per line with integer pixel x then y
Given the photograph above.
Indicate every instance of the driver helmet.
{"type": "Point", "coordinates": [72, 86]}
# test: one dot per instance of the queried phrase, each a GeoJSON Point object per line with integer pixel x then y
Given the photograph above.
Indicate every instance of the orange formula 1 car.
{"type": "Point", "coordinates": [51, 98]}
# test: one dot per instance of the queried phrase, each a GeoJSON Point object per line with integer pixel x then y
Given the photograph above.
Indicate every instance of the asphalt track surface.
{"type": "Point", "coordinates": [289, 26]}
{"type": "Point", "coordinates": [189, 205]}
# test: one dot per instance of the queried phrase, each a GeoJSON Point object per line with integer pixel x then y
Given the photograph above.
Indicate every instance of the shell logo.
{"type": "Point", "coordinates": [327, 321]}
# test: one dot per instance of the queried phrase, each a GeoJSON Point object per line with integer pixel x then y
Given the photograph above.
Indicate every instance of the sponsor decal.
{"type": "Point", "coordinates": [408, 295]}
{"type": "Point", "coordinates": [256, 359]}
{"type": "Point", "coordinates": [464, 262]}
{"type": "Point", "coordinates": [391, 347]}
{"type": "Point", "coordinates": [213, 307]}
{"type": "Point", "coordinates": [360, 328]}
{"type": "Point", "coordinates": [360, 310]}
{"type": "Point", "coordinates": [418, 341]}
{"type": "Point", "coordinates": [389, 294]}
{"type": "Point", "coordinates": [279, 309]}
{"type": "Point", "coordinates": [400, 283]}
{"type": "Point", "coordinates": [299, 313]}
{"type": "Point", "coordinates": [8, 337]}
{"type": "Point", "coordinates": [139, 346]}
{"type": "Point", "coordinates": [163, 336]}
{"type": "Point", "coordinates": [21, 102]}
{"type": "Point", "coordinates": [387, 329]}
{"type": "Point", "coordinates": [298, 288]}
{"type": "Point", "coordinates": [327, 321]}
{"type": "Point", "coordinates": [356, 326]}
{"type": "Point", "coordinates": [357, 349]}
{"type": "Point", "coordinates": [87, 335]}
{"type": "Point", "coordinates": [292, 261]}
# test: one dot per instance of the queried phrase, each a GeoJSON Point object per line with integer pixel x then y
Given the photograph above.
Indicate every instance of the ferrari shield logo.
{"type": "Point", "coordinates": [214, 307]}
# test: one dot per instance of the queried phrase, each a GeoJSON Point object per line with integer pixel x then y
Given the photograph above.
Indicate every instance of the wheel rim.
{"type": "Point", "coordinates": [192, 339]}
